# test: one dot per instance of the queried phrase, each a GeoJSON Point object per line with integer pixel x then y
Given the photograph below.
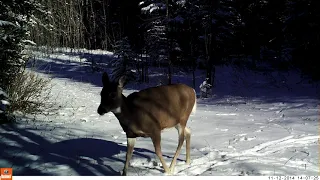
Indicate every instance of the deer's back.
{"type": "Point", "coordinates": [163, 105]}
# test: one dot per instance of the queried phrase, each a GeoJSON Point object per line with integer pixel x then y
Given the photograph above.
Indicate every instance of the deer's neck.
{"type": "Point", "coordinates": [123, 112]}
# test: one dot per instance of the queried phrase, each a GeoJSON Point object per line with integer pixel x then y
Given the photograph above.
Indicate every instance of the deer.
{"type": "Point", "coordinates": [148, 112]}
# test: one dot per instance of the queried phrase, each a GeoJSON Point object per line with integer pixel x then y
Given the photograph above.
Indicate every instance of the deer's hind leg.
{"type": "Point", "coordinates": [187, 134]}
{"type": "Point", "coordinates": [181, 132]}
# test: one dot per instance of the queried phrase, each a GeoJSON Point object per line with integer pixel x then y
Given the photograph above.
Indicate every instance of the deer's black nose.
{"type": "Point", "coordinates": [101, 111]}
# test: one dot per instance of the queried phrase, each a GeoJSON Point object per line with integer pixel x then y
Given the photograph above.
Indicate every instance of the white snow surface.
{"type": "Point", "coordinates": [251, 126]}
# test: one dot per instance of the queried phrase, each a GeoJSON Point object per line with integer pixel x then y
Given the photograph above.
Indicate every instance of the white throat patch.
{"type": "Point", "coordinates": [117, 110]}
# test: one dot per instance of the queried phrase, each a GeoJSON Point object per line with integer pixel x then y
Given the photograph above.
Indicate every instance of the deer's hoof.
{"type": "Point", "coordinates": [171, 170]}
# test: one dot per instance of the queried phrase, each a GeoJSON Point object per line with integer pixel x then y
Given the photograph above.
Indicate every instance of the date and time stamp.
{"type": "Point", "coordinates": [293, 178]}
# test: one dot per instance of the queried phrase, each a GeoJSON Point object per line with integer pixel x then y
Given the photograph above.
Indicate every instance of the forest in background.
{"type": "Point", "coordinates": [279, 34]}
{"type": "Point", "coordinates": [188, 34]}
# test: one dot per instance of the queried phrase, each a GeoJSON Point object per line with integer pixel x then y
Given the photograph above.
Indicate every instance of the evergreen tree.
{"type": "Point", "coordinates": [302, 34]}
{"type": "Point", "coordinates": [125, 62]}
{"type": "Point", "coordinates": [14, 23]}
{"type": "Point", "coordinates": [158, 43]}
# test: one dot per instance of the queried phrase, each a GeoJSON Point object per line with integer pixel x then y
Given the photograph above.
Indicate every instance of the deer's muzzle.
{"type": "Point", "coordinates": [101, 111]}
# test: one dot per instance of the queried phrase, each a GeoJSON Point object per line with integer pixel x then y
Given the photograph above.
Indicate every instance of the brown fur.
{"type": "Point", "coordinates": [148, 112]}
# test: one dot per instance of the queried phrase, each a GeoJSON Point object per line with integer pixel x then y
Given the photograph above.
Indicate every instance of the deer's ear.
{"type": "Point", "coordinates": [105, 79]}
{"type": "Point", "coordinates": [121, 81]}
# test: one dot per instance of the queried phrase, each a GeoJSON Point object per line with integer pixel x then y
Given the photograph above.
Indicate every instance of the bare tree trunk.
{"type": "Point", "coordinates": [146, 60]}
{"type": "Point", "coordinates": [81, 41]}
{"type": "Point", "coordinates": [193, 59]}
{"type": "Point", "coordinates": [105, 41]}
{"type": "Point", "coordinates": [194, 78]}
{"type": "Point", "coordinates": [208, 47]}
{"type": "Point", "coordinates": [169, 43]}
{"type": "Point", "coordinates": [209, 42]}
{"type": "Point", "coordinates": [194, 66]}
{"type": "Point", "coordinates": [93, 30]}
{"type": "Point", "coordinates": [62, 27]}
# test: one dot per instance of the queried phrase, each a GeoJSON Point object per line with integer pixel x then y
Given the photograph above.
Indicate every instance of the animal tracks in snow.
{"type": "Point", "coordinates": [226, 114]}
{"type": "Point", "coordinates": [223, 130]}
{"type": "Point", "coordinates": [214, 159]}
{"type": "Point", "coordinates": [241, 137]}
{"type": "Point", "coordinates": [284, 143]}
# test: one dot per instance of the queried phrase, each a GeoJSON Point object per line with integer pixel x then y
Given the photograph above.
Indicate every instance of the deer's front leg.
{"type": "Point", "coordinates": [130, 145]}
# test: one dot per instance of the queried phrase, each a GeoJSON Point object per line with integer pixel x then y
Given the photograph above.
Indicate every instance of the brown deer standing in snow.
{"type": "Point", "coordinates": [147, 112]}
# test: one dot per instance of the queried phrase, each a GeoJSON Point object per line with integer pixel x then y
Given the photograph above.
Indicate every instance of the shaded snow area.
{"type": "Point", "coordinates": [255, 124]}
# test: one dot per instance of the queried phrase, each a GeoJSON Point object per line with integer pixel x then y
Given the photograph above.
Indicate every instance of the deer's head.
{"type": "Point", "coordinates": [111, 95]}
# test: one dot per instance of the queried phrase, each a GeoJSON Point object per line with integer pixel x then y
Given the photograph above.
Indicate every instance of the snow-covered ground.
{"type": "Point", "coordinates": [256, 124]}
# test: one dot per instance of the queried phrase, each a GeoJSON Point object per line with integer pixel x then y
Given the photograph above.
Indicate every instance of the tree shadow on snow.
{"type": "Point", "coordinates": [75, 71]}
{"type": "Point", "coordinates": [261, 92]}
{"type": "Point", "coordinates": [31, 154]}
{"type": "Point", "coordinates": [83, 72]}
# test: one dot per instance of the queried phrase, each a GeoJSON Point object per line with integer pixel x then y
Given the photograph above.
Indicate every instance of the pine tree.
{"type": "Point", "coordinates": [302, 34]}
{"type": "Point", "coordinates": [125, 61]}
{"type": "Point", "coordinates": [216, 23]}
{"type": "Point", "coordinates": [156, 35]}
{"type": "Point", "coordinates": [14, 23]}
